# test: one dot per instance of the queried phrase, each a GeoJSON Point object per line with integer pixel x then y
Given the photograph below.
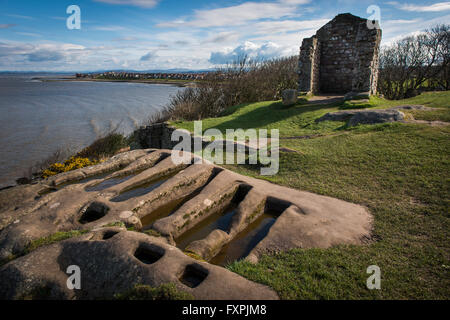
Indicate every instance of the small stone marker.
{"type": "Point", "coordinates": [289, 97]}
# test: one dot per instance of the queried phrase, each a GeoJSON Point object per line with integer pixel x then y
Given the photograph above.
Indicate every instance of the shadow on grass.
{"type": "Point", "coordinates": [351, 106]}
{"type": "Point", "coordinates": [263, 117]}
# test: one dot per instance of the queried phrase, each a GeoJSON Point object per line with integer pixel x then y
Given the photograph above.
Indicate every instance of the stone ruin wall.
{"type": "Point", "coordinates": [341, 57]}
{"type": "Point", "coordinates": [157, 136]}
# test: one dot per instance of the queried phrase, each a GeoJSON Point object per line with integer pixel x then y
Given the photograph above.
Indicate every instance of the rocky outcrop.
{"type": "Point", "coordinates": [355, 117]}
{"type": "Point", "coordinates": [112, 261]}
{"type": "Point", "coordinates": [376, 116]}
{"type": "Point", "coordinates": [173, 203]}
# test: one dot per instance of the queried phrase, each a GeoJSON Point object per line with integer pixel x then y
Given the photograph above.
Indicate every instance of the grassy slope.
{"type": "Point", "coordinates": [399, 171]}
{"type": "Point", "coordinates": [299, 120]}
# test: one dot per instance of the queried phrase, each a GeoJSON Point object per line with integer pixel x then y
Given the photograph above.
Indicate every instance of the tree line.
{"type": "Point", "coordinates": [416, 63]}
{"type": "Point", "coordinates": [242, 81]}
{"type": "Point", "coordinates": [407, 67]}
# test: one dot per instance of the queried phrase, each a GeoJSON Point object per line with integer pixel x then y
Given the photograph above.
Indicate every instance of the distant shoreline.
{"type": "Point", "coordinates": [56, 112]}
{"type": "Point", "coordinates": [177, 83]}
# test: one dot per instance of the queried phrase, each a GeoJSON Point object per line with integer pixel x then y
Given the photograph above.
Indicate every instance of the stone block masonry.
{"type": "Point", "coordinates": [157, 135]}
{"type": "Point", "coordinates": [342, 57]}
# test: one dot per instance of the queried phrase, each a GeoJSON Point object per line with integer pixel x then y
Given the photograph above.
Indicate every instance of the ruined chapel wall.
{"type": "Point", "coordinates": [308, 67]}
{"type": "Point", "coordinates": [341, 57]}
{"type": "Point", "coordinates": [365, 73]}
{"type": "Point", "coordinates": [337, 56]}
{"type": "Point", "coordinates": [304, 65]}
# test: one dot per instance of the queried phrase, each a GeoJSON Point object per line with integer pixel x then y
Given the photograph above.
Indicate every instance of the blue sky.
{"type": "Point", "coordinates": [193, 34]}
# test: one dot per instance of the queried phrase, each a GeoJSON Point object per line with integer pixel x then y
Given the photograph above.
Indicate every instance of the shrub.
{"type": "Point", "coordinates": [37, 168]}
{"type": "Point", "coordinates": [159, 116]}
{"type": "Point", "coordinates": [243, 81]}
{"type": "Point", "coordinates": [416, 63]}
{"type": "Point", "coordinates": [105, 146]}
{"type": "Point", "coordinates": [72, 163]}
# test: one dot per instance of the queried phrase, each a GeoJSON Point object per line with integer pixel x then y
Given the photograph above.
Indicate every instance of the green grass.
{"type": "Point", "coordinates": [429, 99]}
{"type": "Point", "coordinates": [300, 119]}
{"type": "Point", "coordinates": [45, 241]}
{"type": "Point", "coordinates": [295, 120]}
{"type": "Point", "coordinates": [434, 115]}
{"type": "Point", "coordinates": [163, 292]}
{"type": "Point", "coordinates": [398, 171]}
{"type": "Point", "coordinates": [56, 237]}
{"type": "Point", "coordinates": [118, 224]}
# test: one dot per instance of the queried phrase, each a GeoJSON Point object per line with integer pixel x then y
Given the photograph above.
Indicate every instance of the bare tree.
{"type": "Point", "coordinates": [414, 63]}
{"type": "Point", "coordinates": [244, 80]}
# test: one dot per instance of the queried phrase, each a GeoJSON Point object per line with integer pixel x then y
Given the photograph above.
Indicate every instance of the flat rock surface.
{"type": "Point", "coordinates": [374, 116]}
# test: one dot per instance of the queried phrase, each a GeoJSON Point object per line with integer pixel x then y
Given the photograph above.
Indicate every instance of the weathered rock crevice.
{"type": "Point", "coordinates": [220, 216]}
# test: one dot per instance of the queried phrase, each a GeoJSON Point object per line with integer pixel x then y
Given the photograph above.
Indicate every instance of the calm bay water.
{"type": "Point", "coordinates": [37, 118]}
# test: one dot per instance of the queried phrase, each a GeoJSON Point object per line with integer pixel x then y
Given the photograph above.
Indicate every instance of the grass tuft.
{"type": "Point", "coordinates": [163, 292]}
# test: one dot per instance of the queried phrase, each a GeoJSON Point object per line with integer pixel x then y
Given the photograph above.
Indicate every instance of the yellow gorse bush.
{"type": "Point", "coordinates": [70, 164]}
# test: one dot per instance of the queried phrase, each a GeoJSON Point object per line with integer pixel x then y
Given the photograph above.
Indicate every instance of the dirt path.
{"type": "Point", "coordinates": [431, 123]}
{"type": "Point", "coordinates": [325, 99]}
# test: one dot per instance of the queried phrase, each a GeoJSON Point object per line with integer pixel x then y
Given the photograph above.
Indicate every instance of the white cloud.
{"type": "Point", "coordinates": [19, 16]}
{"type": "Point", "coordinates": [394, 39]}
{"type": "Point", "coordinates": [44, 55]}
{"type": "Point", "coordinates": [394, 30]}
{"type": "Point", "coordinates": [12, 49]}
{"type": "Point", "coordinates": [7, 26]}
{"type": "Point", "coordinates": [273, 27]}
{"type": "Point", "coordinates": [252, 50]}
{"type": "Point", "coordinates": [437, 7]}
{"type": "Point", "coordinates": [238, 15]}
{"type": "Point", "coordinates": [127, 38]}
{"type": "Point", "coordinates": [109, 28]}
{"type": "Point", "coordinates": [29, 34]}
{"type": "Point", "coordinates": [51, 56]}
{"type": "Point", "coordinates": [401, 21]}
{"type": "Point", "coordinates": [136, 3]}
{"type": "Point", "coordinates": [297, 2]}
{"type": "Point", "coordinates": [149, 56]}
{"type": "Point", "coordinates": [223, 37]}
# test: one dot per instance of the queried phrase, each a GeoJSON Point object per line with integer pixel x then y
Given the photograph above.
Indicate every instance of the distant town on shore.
{"type": "Point", "coordinates": [113, 75]}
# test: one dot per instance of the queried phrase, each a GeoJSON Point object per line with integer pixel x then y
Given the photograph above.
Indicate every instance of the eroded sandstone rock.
{"type": "Point", "coordinates": [113, 261]}
{"type": "Point", "coordinates": [198, 207]}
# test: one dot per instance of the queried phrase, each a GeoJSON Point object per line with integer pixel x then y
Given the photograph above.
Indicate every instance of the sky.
{"type": "Point", "coordinates": [189, 34]}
